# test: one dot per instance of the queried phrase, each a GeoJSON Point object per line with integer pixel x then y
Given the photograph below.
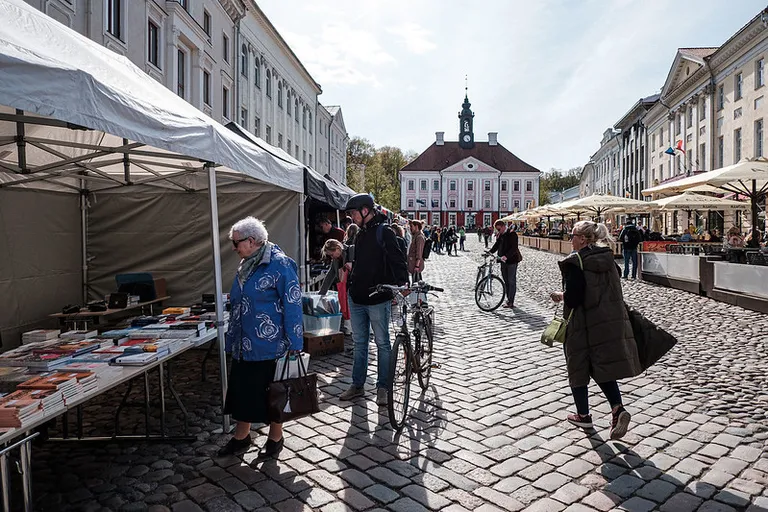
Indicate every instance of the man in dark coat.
{"type": "Point", "coordinates": [506, 247]}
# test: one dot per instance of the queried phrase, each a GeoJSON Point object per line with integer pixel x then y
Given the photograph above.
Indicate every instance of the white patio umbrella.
{"type": "Point", "coordinates": [599, 204]}
{"type": "Point", "coordinates": [693, 202]}
{"type": "Point", "coordinates": [748, 177]}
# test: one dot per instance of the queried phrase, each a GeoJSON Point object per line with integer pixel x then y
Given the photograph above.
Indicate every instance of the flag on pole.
{"type": "Point", "coordinates": [680, 146]}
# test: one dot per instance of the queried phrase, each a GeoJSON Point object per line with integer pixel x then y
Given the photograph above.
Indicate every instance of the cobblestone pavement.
{"type": "Point", "coordinates": [488, 435]}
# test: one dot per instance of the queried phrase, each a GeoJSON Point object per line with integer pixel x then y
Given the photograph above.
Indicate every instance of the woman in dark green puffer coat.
{"type": "Point", "coordinates": [599, 343]}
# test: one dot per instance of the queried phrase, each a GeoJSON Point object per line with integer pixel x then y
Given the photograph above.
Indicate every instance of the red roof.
{"type": "Point", "coordinates": [436, 158]}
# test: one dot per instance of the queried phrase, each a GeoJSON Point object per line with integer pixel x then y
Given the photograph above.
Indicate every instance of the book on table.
{"type": "Point", "coordinates": [39, 335]}
{"type": "Point", "coordinates": [79, 335]}
{"type": "Point", "coordinates": [139, 359]}
{"type": "Point", "coordinates": [35, 360]}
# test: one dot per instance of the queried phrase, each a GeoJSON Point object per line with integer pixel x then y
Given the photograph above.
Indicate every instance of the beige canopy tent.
{"type": "Point", "coordinates": [748, 177]}
{"type": "Point", "coordinates": [103, 170]}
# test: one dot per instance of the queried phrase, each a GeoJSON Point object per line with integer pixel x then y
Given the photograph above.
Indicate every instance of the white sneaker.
{"type": "Point", "coordinates": [381, 397]}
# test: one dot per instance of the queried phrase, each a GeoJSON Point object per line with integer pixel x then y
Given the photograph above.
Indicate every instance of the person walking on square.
{"type": "Point", "coordinates": [487, 233]}
{"type": "Point", "coordinates": [599, 341]}
{"type": "Point", "coordinates": [506, 247]}
{"type": "Point", "coordinates": [379, 259]}
{"type": "Point", "coordinates": [630, 238]}
{"type": "Point", "coordinates": [416, 252]}
{"type": "Point", "coordinates": [462, 238]}
{"type": "Point", "coordinates": [264, 324]}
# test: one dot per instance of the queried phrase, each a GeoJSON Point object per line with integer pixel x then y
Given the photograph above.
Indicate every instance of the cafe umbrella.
{"type": "Point", "coordinates": [748, 177]}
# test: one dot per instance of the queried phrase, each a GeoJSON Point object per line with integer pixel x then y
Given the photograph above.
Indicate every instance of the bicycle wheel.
{"type": "Point", "coordinates": [479, 276]}
{"type": "Point", "coordinates": [489, 293]}
{"type": "Point", "coordinates": [424, 351]}
{"type": "Point", "coordinates": [398, 390]}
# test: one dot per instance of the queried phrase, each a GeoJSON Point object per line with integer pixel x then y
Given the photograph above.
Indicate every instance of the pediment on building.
{"type": "Point", "coordinates": [687, 63]}
{"type": "Point", "coordinates": [469, 164]}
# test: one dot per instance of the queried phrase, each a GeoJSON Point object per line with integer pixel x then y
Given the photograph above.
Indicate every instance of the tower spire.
{"type": "Point", "coordinates": [466, 131]}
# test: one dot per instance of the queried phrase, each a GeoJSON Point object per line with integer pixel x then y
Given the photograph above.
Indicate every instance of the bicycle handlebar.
{"type": "Point", "coordinates": [420, 287]}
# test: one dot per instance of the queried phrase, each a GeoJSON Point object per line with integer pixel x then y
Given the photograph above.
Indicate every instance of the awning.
{"type": "Point", "coordinates": [106, 122]}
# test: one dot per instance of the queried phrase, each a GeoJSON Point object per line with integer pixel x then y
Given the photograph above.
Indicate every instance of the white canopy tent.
{"type": "Point", "coordinates": [86, 137]}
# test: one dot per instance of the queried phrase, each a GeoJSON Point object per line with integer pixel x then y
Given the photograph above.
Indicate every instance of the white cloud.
{"type": "Point", "coordinates": [415, 37]}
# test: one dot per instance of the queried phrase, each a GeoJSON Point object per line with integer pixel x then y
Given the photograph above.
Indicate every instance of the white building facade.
{"type": "Point", "coordinates": [332, 142]}
{"type": "Point", "coordinates": [222, 56]}
{"type": "Point", "coordinates": [467, 183]}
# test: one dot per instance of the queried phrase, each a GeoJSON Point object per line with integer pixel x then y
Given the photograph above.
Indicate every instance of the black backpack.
{"type": "Point", "coordinates": [634, 237]}
{"type": "Point", "coordinates": [427, 249]}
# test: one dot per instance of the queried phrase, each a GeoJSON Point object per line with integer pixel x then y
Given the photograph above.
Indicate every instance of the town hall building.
{"type": "Point", "coordinates": [467, 183]}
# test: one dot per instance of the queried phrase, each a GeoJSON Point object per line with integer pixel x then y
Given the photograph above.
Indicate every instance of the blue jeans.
{"type": "Point", "coordinates": [364, 318]}
{"type": "Point", "coordinates": [630, 255]}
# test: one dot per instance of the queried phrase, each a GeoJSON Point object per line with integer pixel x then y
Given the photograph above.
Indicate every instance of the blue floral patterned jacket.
{"type": "Point", "coordinates": [266, 318]}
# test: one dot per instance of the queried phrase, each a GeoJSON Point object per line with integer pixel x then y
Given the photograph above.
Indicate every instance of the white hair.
{"type": "Point", "coordinates": [250, 227]}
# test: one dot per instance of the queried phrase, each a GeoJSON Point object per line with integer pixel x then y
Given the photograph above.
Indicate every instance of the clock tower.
{"type": "Point", "coordinates": [466, 132]}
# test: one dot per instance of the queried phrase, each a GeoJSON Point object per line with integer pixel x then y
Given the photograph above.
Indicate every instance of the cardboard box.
{"type": "Point", "coordinates": [323, 345]}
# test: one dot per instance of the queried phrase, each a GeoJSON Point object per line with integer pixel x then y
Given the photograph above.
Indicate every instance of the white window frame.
{"type": "Point", "coordinates": [423, 186]}
{"type": "Point", "coordinates": [737, 148]}
{"type": "Point", "coordinates": [452, 203]}
{"type": "Point", "coordinates": [435, 184]}
{"type": "Point", "coordinates": [487, 204]}
{"type": "Point", "coordinates": [225, 101]}
{"type": "Point", "coordinates": [738, 86]}
{"type": "Point", "coordinates": [759, 73]}
{"type": "Point", "coordinates": [207, 24]}
{"type": "Point", "coordinates": [470, 204]}
{"type": "Point", "coordinates": [158, 45]}
{"type": "Point", "coordinates": [114, 18]}
{"type": "Point", "coordinates": [759, 136]}
{"type": "Point", "coordinates": [225, 47]}
{"type": "Point", "coordinates": [411, 185]}
{"type": "Point", "coordinates": [504, 185]}
{"type": "Point", "coordinates": [244, 117]}
{"type": "Point", "coordinates": [470, 185]}
{"type": "Point", "coordinates": [206, 87]}
{"type": "Point", "coordinates": [516, 186]}
{"type": "Point", "coordinates": [423, 216]}
{"type": "Point", "coordinates": [451, 219]}
{"type": "Point", "coordinates": [452, 185]}
{"type": "Point", "coordinates": [487, 219]}
{"type": "Point", "coordinates": [244, 60]}
{"type": "Point", "coordinates": [529, 186]}
{"type": "Point", "coordinates": [182, 72]}
{"type": "Point", "coordinates": [410, 203]}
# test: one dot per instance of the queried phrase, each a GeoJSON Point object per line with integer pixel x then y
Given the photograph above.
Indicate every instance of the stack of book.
{"type": "Point", "coordinates": [75, 347]}
{"type": "Point", "coordinates": [103, 355]}
{"type": "Point", "coordinates": [18, 408]}
{"type": "Point", "coordinates": [95, 368]}
{"type": "Point", "coordinates": [79, 335]}
{"type": "Point", "coordinates": [39, 335]}
{"type": "Point", "coordinates": [65, 383]}
{"type": "Point", "coordinates": [139, 359]}
{"type": "Point", "coordinates": [33, 359]}
{"type": "Point", "coordinates": [50, 401]}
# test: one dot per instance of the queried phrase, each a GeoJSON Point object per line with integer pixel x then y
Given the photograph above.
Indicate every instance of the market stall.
{"type": "Point", "coordinates": [103, 170]}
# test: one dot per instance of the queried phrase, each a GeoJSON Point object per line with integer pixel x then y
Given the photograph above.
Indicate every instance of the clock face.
{"type": "Point", "coordinates": [467, 138]}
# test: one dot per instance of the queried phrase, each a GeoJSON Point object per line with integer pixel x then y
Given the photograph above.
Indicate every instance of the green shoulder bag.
{"type": "Point", "coordinates": [555, 331]}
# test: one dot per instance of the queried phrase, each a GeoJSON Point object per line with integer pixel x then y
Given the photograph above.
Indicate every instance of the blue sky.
{"type": "Point", "coordinates": [549, 75]}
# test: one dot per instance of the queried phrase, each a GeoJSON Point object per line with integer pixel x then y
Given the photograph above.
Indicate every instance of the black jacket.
{"type": "Point", "coordinates": [506, 245]}
{"type": "Point", "coordinates": [376, 263]}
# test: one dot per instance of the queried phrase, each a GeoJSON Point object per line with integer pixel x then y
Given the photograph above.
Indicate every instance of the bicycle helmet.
{"type": "Point", "coordinates": [360, 201]}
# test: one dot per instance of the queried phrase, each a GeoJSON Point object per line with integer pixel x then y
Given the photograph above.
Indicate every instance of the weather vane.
{"type": "Point", "coordinates": [466, 84]}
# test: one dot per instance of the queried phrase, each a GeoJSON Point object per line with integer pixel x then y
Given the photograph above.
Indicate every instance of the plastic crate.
{"type": "Point", "coordinates": [322, 324]}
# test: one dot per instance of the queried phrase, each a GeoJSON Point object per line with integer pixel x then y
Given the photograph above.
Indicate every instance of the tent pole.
{"type": "Point", "coordinates": [84, 238]}
{"type": "Point", "coordinates": [303, 245]}
{"type": "Point", "coordinates": [21, 144]}
{"type": "Point", "coordinates": [755, 242]}
{"type": "Point", "coordinates": [213, 200]}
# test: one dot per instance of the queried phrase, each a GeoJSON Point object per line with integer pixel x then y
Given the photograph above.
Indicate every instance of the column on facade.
{"type": "Point", "coordinates": [695, 125]}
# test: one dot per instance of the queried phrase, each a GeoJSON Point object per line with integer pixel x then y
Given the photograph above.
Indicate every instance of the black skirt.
{"type": "Point", "coordinates": [247, 390]}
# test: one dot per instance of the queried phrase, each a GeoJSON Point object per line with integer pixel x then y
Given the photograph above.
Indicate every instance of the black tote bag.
{"type": "Point", "coordinates": [652, 341]}
{"type": "Point", "coordinates": [290, 399]}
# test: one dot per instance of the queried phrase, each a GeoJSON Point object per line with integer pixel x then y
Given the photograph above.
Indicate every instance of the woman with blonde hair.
{"type": "Point", "coordinates": [599, 343]}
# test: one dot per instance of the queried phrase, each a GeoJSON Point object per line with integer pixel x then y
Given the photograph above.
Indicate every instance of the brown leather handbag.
{"type": "Point", "coordinates": [290, 399]}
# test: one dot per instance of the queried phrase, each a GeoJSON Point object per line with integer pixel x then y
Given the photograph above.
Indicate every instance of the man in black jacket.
{"type": "Point", "coordinates": [379, 259]}
{"type": "Point", "coordinates": [507, 249]}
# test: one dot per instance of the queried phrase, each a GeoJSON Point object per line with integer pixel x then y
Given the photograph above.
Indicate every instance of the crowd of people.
{"type": "Point", "coordinates": [366, 251]}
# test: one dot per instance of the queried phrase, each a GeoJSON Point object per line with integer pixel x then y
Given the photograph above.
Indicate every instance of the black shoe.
{"type": "Point", "coordinates": [272, 449]}
{"type": "Point", "coordinates": [235, 446]}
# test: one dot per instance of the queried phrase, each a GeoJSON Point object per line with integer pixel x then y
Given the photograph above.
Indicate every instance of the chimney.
{"type": "Point", "coordinates": [440, 136]}
{"type": "Point", "coordinates": [492, 138]}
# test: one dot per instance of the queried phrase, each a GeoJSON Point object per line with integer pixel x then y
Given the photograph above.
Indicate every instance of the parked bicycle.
{"type": "Point", "coordinates": [412, 350]}
{"type": "Point", "coordinates": [489, 287]}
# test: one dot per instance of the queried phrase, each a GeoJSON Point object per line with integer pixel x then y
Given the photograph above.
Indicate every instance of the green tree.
{"type": "Point", "coordinates": [555, 180]}
{"type": "Point", "coordinates": [376, 171]}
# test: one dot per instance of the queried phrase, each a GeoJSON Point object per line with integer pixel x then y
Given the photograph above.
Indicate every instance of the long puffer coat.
{"type": "Point", "coordinates": [599, 342]}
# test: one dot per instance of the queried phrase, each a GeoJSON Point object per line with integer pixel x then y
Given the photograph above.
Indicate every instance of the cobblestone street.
{"type": "Point", "coordinates": [490, 433]}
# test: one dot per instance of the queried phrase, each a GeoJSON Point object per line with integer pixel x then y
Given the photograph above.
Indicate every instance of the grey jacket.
{"type": "Point", "coordinates": [599, 342]}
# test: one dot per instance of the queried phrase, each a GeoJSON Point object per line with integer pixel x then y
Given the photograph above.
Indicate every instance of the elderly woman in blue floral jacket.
{"type": "Point", "coordinates": [264, 324]}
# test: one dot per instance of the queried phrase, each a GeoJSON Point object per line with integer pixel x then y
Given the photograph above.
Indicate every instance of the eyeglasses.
{"type": "Point", "coordinates": [237, 242]}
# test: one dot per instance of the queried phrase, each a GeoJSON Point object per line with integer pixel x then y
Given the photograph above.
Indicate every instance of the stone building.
{"type": "Point", "coordinates": [223, 56]}
{"type": "Point", "coordinates": [468, 182]}
{"type": "Point", "coordinates": [711, 112]}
